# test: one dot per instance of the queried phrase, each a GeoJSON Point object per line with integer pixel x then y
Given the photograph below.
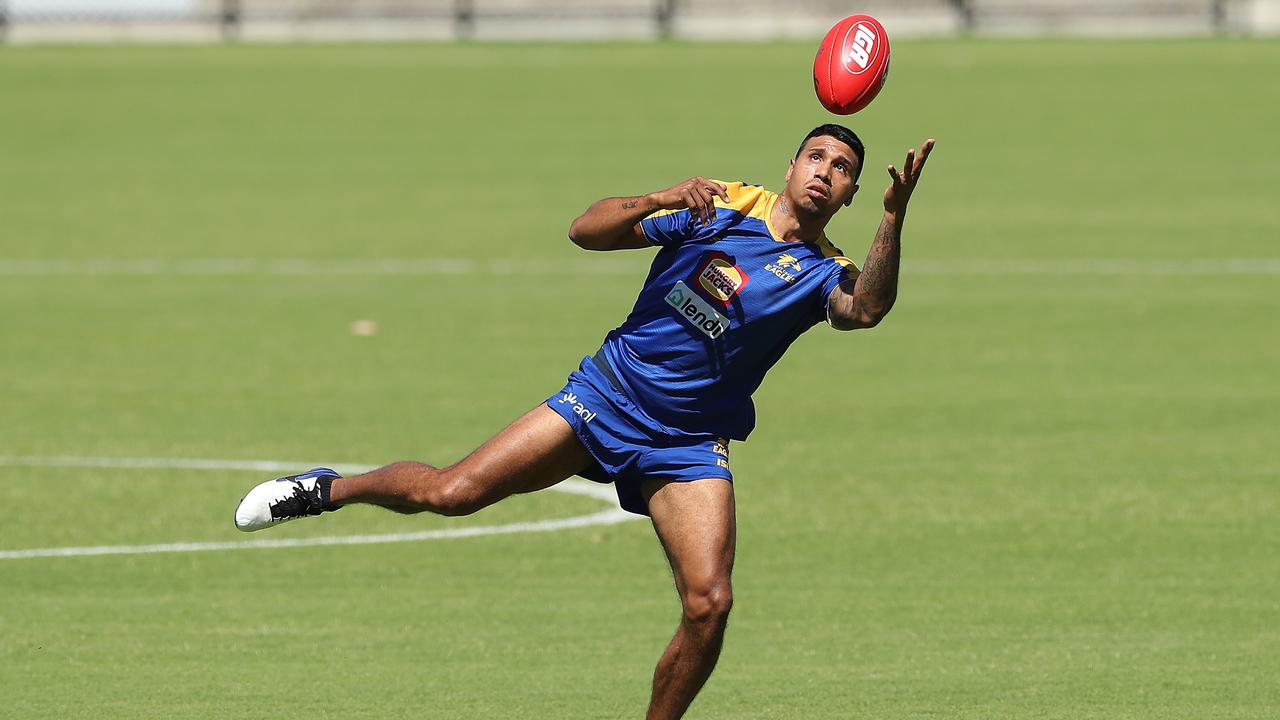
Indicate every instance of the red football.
{"type": "Point", "coordinates": [851, 65]}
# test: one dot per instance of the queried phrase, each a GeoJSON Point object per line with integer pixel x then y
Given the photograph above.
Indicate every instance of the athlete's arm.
{"type": "Point", "coordinates": [862, 302]}
{"type": "Point", "coordinates": [614, 223]}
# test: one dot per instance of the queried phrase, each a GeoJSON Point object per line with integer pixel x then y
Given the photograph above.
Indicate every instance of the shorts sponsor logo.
{"type": "Point", "coordinates": [721, 278]}
{"type": "Point", "coordinates": [696, 311]}
{"type": "Point", "coordinates": [785, 263]}
{"type": "Point", "coordinates": [860, 49]}
{"type": "Point", "coordinates": [722, 462]}
{"type": "Point", "coordinates": [721, 447]}
{"type": "Point", "coordinates": [578, 408]}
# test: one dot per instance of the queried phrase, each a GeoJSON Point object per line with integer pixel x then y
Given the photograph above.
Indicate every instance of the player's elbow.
{"type": "Point", "coordinates": [582, 237]}
{"type": "Point", "coordinates": [872, 318]}
{"type": "Point", "coordinates": [859, 317]}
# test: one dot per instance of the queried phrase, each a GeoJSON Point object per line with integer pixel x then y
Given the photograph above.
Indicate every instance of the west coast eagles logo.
{"type": "Point", "coordinates": [785, 263]}
{"type": "Point", "coordinates": [721, 447]}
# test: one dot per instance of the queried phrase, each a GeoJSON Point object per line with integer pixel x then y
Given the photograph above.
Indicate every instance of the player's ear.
{"type": "Point", "coordinates": [791, 166]}
{"type": "Point", "coordinates": [852, 192]}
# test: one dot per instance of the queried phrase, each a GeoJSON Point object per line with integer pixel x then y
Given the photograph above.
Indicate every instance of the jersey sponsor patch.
{"type": "Point", "coordinates": [721, 278]}
{"type": "Point", "coordinates": [579, 409]}
{"type": "Point", "coordinates": [696, 311]}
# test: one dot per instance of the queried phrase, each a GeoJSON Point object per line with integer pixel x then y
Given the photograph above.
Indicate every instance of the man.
{"type": "Point", "coordinates": [741, 273]}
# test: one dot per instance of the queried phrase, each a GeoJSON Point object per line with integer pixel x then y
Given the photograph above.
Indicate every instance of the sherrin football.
{"type": "Point", "coordinates": [851, 65]}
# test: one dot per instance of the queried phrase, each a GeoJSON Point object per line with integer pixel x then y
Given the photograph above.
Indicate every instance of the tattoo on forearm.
{"type": "Point", "coordinates": [867, 299]}
{"type": "Point", "coordinates": [879, 279]}
{"type": "Point", "coordinates": [629, 204]}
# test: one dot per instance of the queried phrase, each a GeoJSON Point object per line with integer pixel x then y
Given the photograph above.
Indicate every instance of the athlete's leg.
{"type": "Point", "coordinates": [695, 521]}
{"type": "Point", "coordinates": [532, 453]}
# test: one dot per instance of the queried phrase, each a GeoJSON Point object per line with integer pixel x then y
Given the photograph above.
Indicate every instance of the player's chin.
{"type": "Point", "coordinates": [821, 205]}
{"type": "Point", "coordinates": [813, 204]}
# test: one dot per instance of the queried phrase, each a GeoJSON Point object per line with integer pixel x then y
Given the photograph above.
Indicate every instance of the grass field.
{"type": "Point", "coordinates": [1046, 487]}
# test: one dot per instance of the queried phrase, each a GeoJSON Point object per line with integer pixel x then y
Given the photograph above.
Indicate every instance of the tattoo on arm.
{"type": "Point", "coordinates": [629, 204]}
{"type": "Point", "coordinates": [879, 278]}
{"type": "Point", "coordinates": [862, 303]}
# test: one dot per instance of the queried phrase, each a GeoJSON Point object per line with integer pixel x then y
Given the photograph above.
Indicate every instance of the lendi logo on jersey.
{"type": "Point", "coordinates": [579, 409]}
{"type": "Point", "coordinates": [721, 278]}
{"type": "Point", "coordinates": [696, 311]}
{"type": "Point", "coordinates": [785, 262]}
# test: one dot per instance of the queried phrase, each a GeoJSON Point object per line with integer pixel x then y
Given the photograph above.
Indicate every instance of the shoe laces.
{"type": "Point", "coordinates": [301, 502]}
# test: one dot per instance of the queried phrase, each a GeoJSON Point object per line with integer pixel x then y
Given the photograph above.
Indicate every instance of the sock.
{"type": "Point", "coordinates": [325, 485]}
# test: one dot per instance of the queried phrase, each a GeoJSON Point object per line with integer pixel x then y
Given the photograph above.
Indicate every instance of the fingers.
{"type": "Point", "coordinates": [710, 190]}
{"type": "Point", "coordinates": [706, 209]}
{"type": "Point", "coordinates": [709, 198]}
{"type": "Point", "coordinates": [904, 183]}
{"type": "Point", "coordinates": [924, 155]}
{"type": "Point", "coordinates": [692, 201]}
{"type": "Point", "coordinates": [913, 165]}
{"type": "Point", "coordinates": [697, 206]}
{"type": "Point", "coordinates": [700, 198]}
{"type": "Point", "coordinates": [697, 195]}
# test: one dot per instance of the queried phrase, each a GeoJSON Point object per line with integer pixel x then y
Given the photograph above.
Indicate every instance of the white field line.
{"type": "Point", "coordinates": [621, 265]}
{"type": "Point", "coordinates": [612, 516]}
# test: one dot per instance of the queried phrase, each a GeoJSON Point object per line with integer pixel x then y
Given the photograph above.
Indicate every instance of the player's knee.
{"type": "Point", "coordinates": [708, 604]}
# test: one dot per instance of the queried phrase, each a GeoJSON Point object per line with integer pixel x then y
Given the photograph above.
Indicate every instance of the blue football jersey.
{"type": "Point", "coordinates": [720, 306]}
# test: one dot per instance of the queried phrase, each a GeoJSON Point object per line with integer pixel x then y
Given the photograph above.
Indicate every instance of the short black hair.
{"type": "Point", "coordinates": [844, 135]}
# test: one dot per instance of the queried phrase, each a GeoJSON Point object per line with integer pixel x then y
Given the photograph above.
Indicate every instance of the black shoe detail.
{"type": "Point", "coordinates": [301, 503]}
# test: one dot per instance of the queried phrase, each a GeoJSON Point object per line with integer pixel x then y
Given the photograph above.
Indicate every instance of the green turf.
{"type": "Point", "coordinates": [1046, 487]}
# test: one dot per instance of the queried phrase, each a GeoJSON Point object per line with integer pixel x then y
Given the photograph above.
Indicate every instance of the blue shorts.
{"type": "Point", "coordinates": [628, 446]}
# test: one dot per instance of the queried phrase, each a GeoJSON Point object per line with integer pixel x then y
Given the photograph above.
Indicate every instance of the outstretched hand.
{"type": "Point", "coordinates": [904, 183]}
{"type": "Point", "coordinates": [698, 194]}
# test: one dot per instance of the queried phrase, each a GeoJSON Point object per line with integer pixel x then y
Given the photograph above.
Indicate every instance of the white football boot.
{"type": "Point", "coordinates": [287, 498]}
